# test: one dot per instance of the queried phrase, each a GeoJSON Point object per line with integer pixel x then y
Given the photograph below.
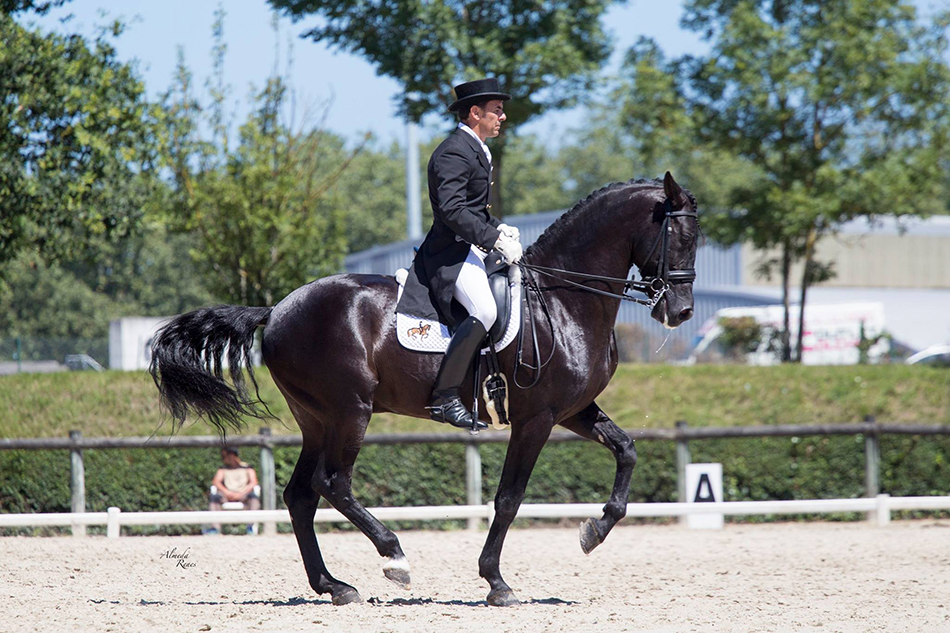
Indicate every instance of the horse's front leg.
{"type": "Point", "coordinates": [525, 445]}
{"type": "Point", "coordinates": [594, 424]}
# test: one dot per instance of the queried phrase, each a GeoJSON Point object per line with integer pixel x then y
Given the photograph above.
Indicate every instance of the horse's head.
{"type": "Point", "coordinates": [666, 254]}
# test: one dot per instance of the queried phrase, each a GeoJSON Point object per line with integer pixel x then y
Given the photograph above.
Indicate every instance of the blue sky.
{"type": "Point", "coordinates": [361, 99]}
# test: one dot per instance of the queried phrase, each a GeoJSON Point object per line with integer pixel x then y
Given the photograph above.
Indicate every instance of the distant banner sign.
{"type": "Point", "coordinates": [130, 341]}
{"type": "Point", "coordinates": [704, 485]}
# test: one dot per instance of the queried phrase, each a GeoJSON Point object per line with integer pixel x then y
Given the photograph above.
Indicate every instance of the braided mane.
{"type": "Point", "coordinates": [566, 222]}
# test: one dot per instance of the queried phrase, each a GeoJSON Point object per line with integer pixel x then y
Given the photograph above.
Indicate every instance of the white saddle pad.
{"type": "Point", "coordinates": [428, 335]}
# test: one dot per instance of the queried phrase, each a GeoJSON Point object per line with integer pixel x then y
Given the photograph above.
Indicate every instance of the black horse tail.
{"type": "Point", "coordinates": [187, 366]}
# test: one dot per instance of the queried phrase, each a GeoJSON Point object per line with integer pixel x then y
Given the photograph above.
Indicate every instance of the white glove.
{"type": "Point", "coordinates": [510, 249]}
{"type": "Point", "coordinates": [510, 231]}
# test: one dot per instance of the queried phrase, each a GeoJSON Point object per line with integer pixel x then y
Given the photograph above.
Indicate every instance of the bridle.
{"type": "Point", "coordinates": [656, 285]}
{"type": "Point", "coordinates": [664, 275]}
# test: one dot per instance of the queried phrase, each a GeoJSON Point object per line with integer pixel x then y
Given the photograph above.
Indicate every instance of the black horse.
{"type": "Point", "coordinates": [331, 348]}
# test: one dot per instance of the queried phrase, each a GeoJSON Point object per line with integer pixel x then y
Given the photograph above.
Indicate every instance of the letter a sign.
{"type": "Point", "coordinates": [704, 485]}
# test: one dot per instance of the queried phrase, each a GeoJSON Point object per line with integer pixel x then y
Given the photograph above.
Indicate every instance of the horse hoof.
{"type": "Point", "coordinates": [590, 537]}
{"type": "Point", "coordinates": [397, 572]}
{"type": "Point", "coordinates": [503, 598]}
{"type": "Point", "coordinates": [347, 596]}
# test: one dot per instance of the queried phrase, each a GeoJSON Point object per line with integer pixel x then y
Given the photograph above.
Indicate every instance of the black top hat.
{"type": "Point", "coordinates": [477, 91]}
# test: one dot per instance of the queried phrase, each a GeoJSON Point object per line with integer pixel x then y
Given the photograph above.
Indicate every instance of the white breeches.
{"type": "Point", "coordinates": [472, 291]}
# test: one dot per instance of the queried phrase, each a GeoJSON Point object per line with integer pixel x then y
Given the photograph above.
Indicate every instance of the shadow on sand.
{"type": "Point", "coordinates": [376, 602]}
{"type": "Point", "coordinates": [402, 602]}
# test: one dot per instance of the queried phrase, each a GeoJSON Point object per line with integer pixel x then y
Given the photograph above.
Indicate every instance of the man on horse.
{"type": "Point", "coordinates": [447, 280]}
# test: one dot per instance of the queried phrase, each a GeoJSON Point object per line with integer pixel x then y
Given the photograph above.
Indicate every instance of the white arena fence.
{"type": "Point", "coordinates": [877, 506]}
{"type": "Point", "coordinates": [879, 511]}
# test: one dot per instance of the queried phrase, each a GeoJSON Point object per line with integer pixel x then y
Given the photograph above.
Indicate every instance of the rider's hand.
{"type": "Point", "coordinates": [510, 249]}
{"type": "Point", "coordinates": [510, 231]}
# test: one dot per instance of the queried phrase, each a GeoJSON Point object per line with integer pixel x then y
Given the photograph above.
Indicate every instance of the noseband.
{"type": "Point", "coordinates": [660, 282]}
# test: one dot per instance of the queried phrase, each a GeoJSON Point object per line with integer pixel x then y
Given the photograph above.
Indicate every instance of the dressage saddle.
{"type": "Point", "coordinates": [497, 271]}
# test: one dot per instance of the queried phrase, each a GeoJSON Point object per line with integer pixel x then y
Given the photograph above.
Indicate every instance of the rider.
{"type": "Point", "coordinates": [450, 262]}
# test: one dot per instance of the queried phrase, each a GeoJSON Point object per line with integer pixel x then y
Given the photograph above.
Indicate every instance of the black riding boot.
{"type": "Point", "coordinates": [446, 404]}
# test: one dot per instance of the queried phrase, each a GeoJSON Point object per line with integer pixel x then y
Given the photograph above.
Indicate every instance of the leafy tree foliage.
{"type": "Point", "coordinates": [262, 210]}
{"type": "Point", "coordinates": [546, 54]}
{"type": "Point", "coordinates": [79, 244]}
{"type": "Point", "coordinates": [40, 7]}
{"type": "Point", "coordinates": [77, 141]}
{"type": "Point", "coordinates": [656, 126]}
{"type": "Point", "coordinates": [64, 307]}
{"type": "Point", "coordinates": [372, 196]}
{"type": "Point", "coordinates": [839, 109]}
{"type": "Point", "coordinates": [536, 180]}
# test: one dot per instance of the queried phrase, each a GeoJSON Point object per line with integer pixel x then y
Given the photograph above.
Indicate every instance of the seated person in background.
{"type": "Point", "coordinates": [235, 481]}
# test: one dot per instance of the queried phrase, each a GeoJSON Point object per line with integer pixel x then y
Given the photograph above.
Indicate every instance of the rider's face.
{"type": "Point", "coordinates": [489, 119]}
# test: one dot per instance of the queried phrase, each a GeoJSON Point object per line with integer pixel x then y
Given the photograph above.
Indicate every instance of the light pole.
{"type": "Point", "coordinates": [413, 208]}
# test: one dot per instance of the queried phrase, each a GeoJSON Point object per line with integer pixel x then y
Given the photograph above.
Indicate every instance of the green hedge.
{"type": "Point", "coordinates": [570, 472]}
{"type": "Point", "coordinates": [134, 480]}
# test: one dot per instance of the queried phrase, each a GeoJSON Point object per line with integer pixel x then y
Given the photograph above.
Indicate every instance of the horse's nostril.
{"type": "Point", "coordinates": [686, 314]}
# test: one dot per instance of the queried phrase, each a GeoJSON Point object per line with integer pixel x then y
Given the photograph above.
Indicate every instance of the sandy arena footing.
{"type": "Point", "coordinates": [789, 576]}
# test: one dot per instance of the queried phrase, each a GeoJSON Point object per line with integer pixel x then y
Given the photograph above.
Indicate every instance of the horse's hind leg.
{"type": "Point", "coordinates": [333, 479]}
{"type": "Point", "coordinates": [301, 500]}
{"type": "Point", "coordinates": [593, 424]}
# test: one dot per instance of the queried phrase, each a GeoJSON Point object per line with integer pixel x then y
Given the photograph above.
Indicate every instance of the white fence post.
{"type": "Point", "coordinates": [113, 530]}
{"type": "Point", "coordinates": [77, 480]}
{"type": "Point", "coordinates": [268, 481]}
{"type": "Point", "coordinates": [872, 461]}
{"type": "Point", "coordinates": [473, 481]}
{"type": "Point", "coordinates": [883, 512]}
{"type": "Point", "coordinates": [682, 459]}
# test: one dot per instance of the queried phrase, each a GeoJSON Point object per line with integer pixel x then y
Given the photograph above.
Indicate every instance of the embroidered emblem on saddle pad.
{"type": "Point", "coordinates": [428, 335]}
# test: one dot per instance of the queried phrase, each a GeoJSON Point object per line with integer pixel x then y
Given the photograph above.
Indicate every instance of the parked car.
{"type": "Point", "coordinates": [81, 362]}
{"type": "Point", "coordinates": [935, 356]}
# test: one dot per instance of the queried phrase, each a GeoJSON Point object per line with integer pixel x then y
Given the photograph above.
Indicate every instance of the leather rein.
{"type": "Point", "coordinates": [657, 284]}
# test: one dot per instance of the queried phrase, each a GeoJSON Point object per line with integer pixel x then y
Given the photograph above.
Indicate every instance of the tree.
{"type": "Point", "coordinates": [77, 141]}
{"type": "Point", "coordinates": [537, 178]}
{"type": "Point", "coordinates": [840, 105]}
{"type": "Point", "coordinates": [78, 182]}
{"type": "Point", "coordinates": [261, 212]}
{"type": "Point", "coordinates": [65, 307]}
{"type": "Point", "coordinates": [52, 312]}
{"type": "Point", "coordinates": [40, 7]}
{"type": "Point", "coordinates": [658, 129]}
{"type": "Point", "coordinates": [546, 54]}
{"type": "Point", "coordinates": [372, 193]}
{"type": "Point", "coordinates": [262, 209]}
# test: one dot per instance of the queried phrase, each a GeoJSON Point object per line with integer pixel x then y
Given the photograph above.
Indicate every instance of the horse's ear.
{"type": "Point", "coordinates": [671, 188]}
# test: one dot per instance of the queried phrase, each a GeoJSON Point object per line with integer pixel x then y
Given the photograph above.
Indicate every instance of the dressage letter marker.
{"type": "Point", "coordinates": [704, 485]}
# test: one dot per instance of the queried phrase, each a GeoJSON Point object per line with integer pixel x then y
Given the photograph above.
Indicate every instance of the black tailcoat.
{"type": "Point", "coordinates": [459, 185]}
